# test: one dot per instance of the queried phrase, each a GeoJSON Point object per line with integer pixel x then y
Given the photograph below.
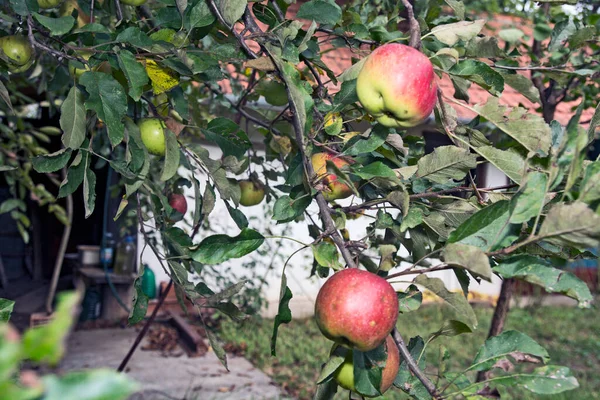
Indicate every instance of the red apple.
{"type": "Point", "coordinates": [397, 86]}
{"type": "Point", "coordinates": [252, 193]}
{"type": "Point", "coordinates": [357, 309]}
{"type": "Point", "coordinates": [178, 202]}
{"type": "Point", "coordinates": [344, 375]}
{"type": "Point", "coordinates": [334, 189]}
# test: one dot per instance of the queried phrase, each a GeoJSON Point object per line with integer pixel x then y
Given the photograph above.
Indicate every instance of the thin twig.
{"type": "Point", "coordinates": [240, 38]}
{"type": "Point", "coordinates": [415, 28]}
{"type": "Point", "coordinates": [413, 366]}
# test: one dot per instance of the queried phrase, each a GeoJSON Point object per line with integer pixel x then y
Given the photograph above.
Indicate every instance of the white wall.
{"type": "Point", "coordinates": [304, 289]}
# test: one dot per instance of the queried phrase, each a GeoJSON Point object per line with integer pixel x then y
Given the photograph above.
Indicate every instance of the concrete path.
{"type": "Point", "coordinates": [184, 378]}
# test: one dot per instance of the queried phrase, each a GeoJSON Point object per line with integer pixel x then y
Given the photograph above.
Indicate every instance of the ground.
{"type": "Point", "coordinates": [571, 336]}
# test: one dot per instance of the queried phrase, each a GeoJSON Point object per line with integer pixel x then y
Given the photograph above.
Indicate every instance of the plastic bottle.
{"type": "Point", "coordinates": [107, 254]}
{"type": "Point", "coordinates": [149, 282]}
{"type": "Point", "coordinates": [126, 256]}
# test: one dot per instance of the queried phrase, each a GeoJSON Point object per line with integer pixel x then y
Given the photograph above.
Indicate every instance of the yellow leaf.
{"type": "Point", "coordinates": [163, 79]}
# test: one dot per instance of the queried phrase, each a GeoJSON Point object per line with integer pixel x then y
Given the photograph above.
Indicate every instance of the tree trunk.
{"type": "Point", "coordinates": [500, 314]}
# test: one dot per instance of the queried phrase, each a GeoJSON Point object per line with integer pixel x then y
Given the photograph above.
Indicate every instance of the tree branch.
{"type": "Point", "coordinates": [240, 38]}
{"type": "Point", "coordinates": [415, 28]}
{"type": "Point", "coordinates": [413, 366]}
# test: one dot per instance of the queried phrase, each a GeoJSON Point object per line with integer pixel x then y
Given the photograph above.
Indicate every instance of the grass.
{"type": "Point", "coordinates": [571, 336]}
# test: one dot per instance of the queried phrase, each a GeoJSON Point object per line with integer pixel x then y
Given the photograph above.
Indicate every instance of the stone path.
{"type": "Point", "coordinates": [184, 378]}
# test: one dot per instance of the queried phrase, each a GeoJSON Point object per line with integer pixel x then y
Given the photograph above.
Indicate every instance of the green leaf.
{"type": "Point", "coordinates": [238, 216]}
{"type": "Point", "coordinates": [75, 174]}
{"type": "Point", "coordinates": [46, 343]}
{"type": "Point", "coordinates": [108, 100]}
{"type": "Point", "coordinates": [352, 72]}
{"type": "Point", "coordinates": [284, 314]}
{"type": "Point", "coordinates": [321, 11]}
{"type": "Point", "coordinates": [511, 35]}
{"type": "Point", "coordinates": [89, 191]}
{"type": "Point", "coordinates": [199, 16]}
{"type": "Point", "coordinates": [484, 47]}
{"type": "Point", "coordinates": [134, 72]}
{"type": "Point", "coordinates": [450, 328]}
{"type": "Point", "coordinates": [56, 26]}
{"type": "Point", "coordinates": [140, 300]}
{"type": "Point", "coordinates": [326, 255]}
{"type": "Point", "coordinates": [488, 229]}
{"type": "Point", "coordinates": [590, 184]}
{"type": "Point", "coordinates": [326, 390]}
{"type": "Point", "coordinates": [172, 154]}
{"type": "Point", "coordinates": [523, 85]}
{"type": "Point", "coordinates": [450, 34]}
{"type": "Point", "coordinates": [561, 34]}
{"type": "Point", "coordinates": [459, 305]}
{"type": "Point", "coordinates": [446, 162]}
{"type": "Point", "coordinates": [51, 162]}
{"type": "Point", "coordinates": [507, 161]}
{"type": "Point", "coordinates": [458, 7]}
{"type": "Point", "coordinates": [298, 94]}
{"type": "Point", "coordinates": [540, 272]}
{"type": "Point", "coordinates": [468, 257]}
{"type": "Point", "coordinates": [550, 379]}
{"type": "Point", "coordinates": [527, 128]}
{"type": "Point", "coordinates": [572, 224]}
{"type": "Point", "coordinates": [594, 122]}
{"type": "Point", "coordinates": [12, 204]}
{"type": "Point", "coordinates": [287, 209]}
{"type": "Point", "coordinates": [73, 119]}
{"type": "Point", "coordinates": [480, 73]}
{"type": "Point", "coordinates": [509, 343]}
{"type": "Point", "coordinates": [231, 10]}
{"type": "Point", "coordinates": [336, 359]}
{"type": "Point", "coordinates": [410, 300]}
{"type": "Point", "coordinates": [346, 95]}
{"type": "Point", "coordinates": [5, 96]}
{"type": "Point", "coordinates": [101, 384]}
{"type": "Point", "coordinates": [361, 144]}
{"type": "Point", "coordinates": [134, 36]}
{"type": "Point", "coordinates": [228, 135]}
{"type": "Point", "coordinates": [217, 347]}
{"type": "Point", "coordinates": [405, 380]}
{"type": "Point", "coordinates": [219, 248]}
{"type": "Point", "coordinates": [208, 201]}
{"type": "Point", "coordinates": [228, 188]}
{"type": "Point", "coordinates": [376, 169]}
{"type": "Point", "coordinates": [530, 199]}
{"type": "Point", "coordinates": [6, 308]}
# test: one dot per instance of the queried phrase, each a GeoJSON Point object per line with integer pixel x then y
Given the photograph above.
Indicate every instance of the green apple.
{"type": "Point", "coordinates": [17, 69]}
{"type": "Point", "coordinates": [334, 189]}
{"type": "Point", "coordinates": [17, 49]}
{"type": "Point", "coordinates": [134, 3]}
{"type": "Point", "coordinates": [344, 375]}
{"type": "Point", "coordinates": [68, 7]}
{"type": "Point", "coordinates": [356, 308]}
{"type": "Point", "coordinates": [397, 86]}
{"type": "Point", "coordinates": [44, 4]}
{"type": "Point", "coordinates": [152, 131]}
{"type": "Point", "coordinates": [252, 193]}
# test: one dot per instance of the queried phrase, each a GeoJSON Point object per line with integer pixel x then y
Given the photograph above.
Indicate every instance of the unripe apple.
{"type": "Point", "coordinates": [17, 49]}
{"type": "Point", "coordinates": [178, 202]}
{"type": "Point", "coordinates": [357, 309]}
{"type": "Point", "coordinates": [344, 375]}
{"type": "Point", "coordinates": [67, 9]}
{"type": "Point", "coordinates": [44, 4]}
{"type": "Point", "coordinates": [334, 189]}
{"type": "Point", "coordinates": [252, 193]}
{"type": "Point", "coordinates": [152, 131]}
{"type": "Point", "coordinates": [397, 86]}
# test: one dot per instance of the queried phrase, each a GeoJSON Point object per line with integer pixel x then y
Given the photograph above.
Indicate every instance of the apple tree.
{"type": "Point", "coordinates": [143, 86]}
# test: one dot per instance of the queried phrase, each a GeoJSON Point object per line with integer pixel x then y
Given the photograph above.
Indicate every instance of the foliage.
{"type": "Point", "coordinates": [44, 344]}
{"type": "Point", "coordinates": [189, 64]}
